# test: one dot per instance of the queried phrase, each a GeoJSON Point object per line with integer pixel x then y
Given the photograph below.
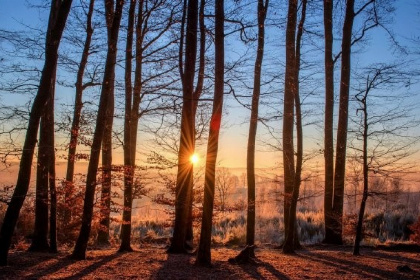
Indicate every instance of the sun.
{"type": "Point", "coordinates": [194, 159]}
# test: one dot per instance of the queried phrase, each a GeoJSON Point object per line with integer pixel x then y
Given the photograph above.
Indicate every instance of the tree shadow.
{"type": "Point", "coordinates": [253, 270]}
{"type": "Point", "coordinates": [66, 261]}
{"type": "Point", "coordinates": [345, 264]}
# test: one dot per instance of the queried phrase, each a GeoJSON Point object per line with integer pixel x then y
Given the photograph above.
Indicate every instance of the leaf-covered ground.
{"type": "Point", "coordinates": [152, 262]}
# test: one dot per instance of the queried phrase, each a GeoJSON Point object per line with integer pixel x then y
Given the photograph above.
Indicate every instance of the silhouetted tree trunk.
{"type": "Point", "coordinates": [203, 252]}
{"type": "Point", "coordinates": [40, 235]}
{"type": "Point", "coordinates": [105, 208]}
{"type": "Point", "coordinates": [49, 115]}
{"type": "Point", "coordinates": [291, 237]}
{"type": "Point", "coordinates": [328, 120]}
{"type": "Point", "coordinates": [288, 118]}
{"type": "Point", "coordinates": [75, 126]}
{"type": "Point", "coordinates": [58, 17]}
{"type": "Point", "coordinates": [359, 228]}
{"type": "Point", "coordinates": [184, 181]}
{"type": "Point", "coordinates": [52, 177]}
{"type": "Point", "coordinates": [340, 161]}
{"type": "Point", "coordinates": [113, 16]}
{"type": "Point", "coordinates": [196, 96]}
{"type": "Point", "coordinates": [129, 143]}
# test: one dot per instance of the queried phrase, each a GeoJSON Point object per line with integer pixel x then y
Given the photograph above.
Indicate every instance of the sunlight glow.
{"type": "Point", "coordinates": [194, 159]}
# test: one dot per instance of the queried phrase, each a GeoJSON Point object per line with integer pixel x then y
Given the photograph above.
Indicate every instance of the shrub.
{"type": "Point", "coordinates": [415, 228]}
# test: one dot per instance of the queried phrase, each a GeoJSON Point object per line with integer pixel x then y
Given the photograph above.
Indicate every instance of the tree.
{"type": "Point", "coordinates": [203, 251]}
{"type": "Point", "coordinates": [334, 183]}
{"type": "Point", "coordinates": [114, 16]}
{"type": "Point", "coordinates": [184, 180]}
{"type": "Point", "coordinates": [248, 252]}
{"type": "Point", "coordinates": [292, 172]}
{"type": "Point", "coordinates": [224, 184]}
{"type": "Point", "coordinates": [57, 20]}
{"type": "Point", "coordinates": [329, 119]}
{"type": "Point", "coordinates": [78, 105]}
{"type": "Point", "coordinates": [384, 151]}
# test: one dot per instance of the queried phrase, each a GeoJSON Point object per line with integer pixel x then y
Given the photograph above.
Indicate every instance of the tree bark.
{"type": "Point", "coordinates": [340, 163]}
{"type": "Point", "coordinates": [288, 123]}
{"type": "Point", "coordinates": [58, 17]}
{"type": "Point", "coordinates": [203, 252]}
{"type": "Point", "coordinates": [328, 120]}
{"type": "Point", "coordinates": [79, 251]}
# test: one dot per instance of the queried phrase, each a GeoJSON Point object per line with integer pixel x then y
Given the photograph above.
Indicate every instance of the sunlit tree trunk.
{"type": "Point", "coordinates": [58, 17]}
{"type": "Point", "coordinates": [79, 251]}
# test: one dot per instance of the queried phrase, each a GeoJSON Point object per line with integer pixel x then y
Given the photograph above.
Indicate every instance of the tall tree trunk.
{"type": "Point", "coordinates": [328, 121]}
{"type": "Point", "coordinates": [75, 126]}
{"type": "Point", "coordinates": [58, 17]}
{"type": "Point", "coordinates": [129, 144]}
{"type": "Point", "coordinates": [292, 238]}
{"type": "Point", "coordinates": [340, 163]}
{"type": "Point", "coordinates": [299, 126]}
{"type": "Point", "coordinates": [203, 252]}
{"type": "Point", "coordinates": [51, 171]}
{"type": "Point", "coordinates": [196, 96]}
{"type": "Point", "coordinates": [184, 181]}
{"type": "Point", "coordinates": [253, 122]}
{"type": "Point", "coordinates": [79, 251]}
{"type": "Point", "coordinates": [288, 123]}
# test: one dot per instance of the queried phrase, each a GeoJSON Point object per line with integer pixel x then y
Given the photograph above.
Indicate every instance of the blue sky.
{"type": "Point", "coordinates": [13, 13]}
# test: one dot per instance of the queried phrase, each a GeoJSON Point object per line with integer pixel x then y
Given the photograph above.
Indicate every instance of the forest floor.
{"type": "Point", "coordinates": [152, 262]}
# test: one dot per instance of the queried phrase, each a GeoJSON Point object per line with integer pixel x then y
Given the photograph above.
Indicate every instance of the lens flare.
{"type": "Point", "coordinates": [194, 159]}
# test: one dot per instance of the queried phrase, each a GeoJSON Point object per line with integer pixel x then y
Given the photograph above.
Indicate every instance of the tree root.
{"type": "Point", "coordinates": [247, 255]}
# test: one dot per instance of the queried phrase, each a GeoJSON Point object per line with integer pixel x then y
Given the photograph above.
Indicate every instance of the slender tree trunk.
{"type": "Point", "coordinates": [299, 127]}
{"type": "Point", "coordinates": [340, 163]}
{"type": "Point", "coordinates": [329, 120]}
{"type": "Point", "coordinates": [288, 123]}
{"type": "Point", "coordinates": [79, 251]}
{"type": "Point", "coordinates": [203, 252]}
{"type": "Point", "coordinates": [186, 149]}
{"type": "Point", "coordinates": [359, 228]}
{"type": "Point", "coordinates": [51, 171]}
{"type": "Point", "coordinates": [75, 126]}
{"type": "Point", "coordinates": [253, 122]}
{"type": "Point", "coordinates": [55, 29]}
{"type": "Point", "coordinates": [196, 96]}
{"type": "Point", "coordinates": [292, 238]}
{"type": "Point", "coordinates": [129, 144]}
